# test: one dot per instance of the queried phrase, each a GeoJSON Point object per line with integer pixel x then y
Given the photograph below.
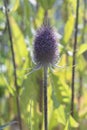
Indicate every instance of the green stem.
{"type": "Point", "coordinates": [45, 100]}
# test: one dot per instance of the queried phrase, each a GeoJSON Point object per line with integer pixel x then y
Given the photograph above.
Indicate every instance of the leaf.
{"type": "Point", "coordinates": [46, 4]}
{"type": "Point", "coordinates": [69, 26]}
{"type": "Point", "coordinates": [31, 94]}
{"type": "Point", "coordinates": [20, 49]}
{"type": "Point", "coordinates": [43, 3]}
{"type": "Point", "coordinates": [16, 5]}
{"type": "Point", "coordinates": [67, 126]}
{"type": "Point", "coordinates": [65, 91]}
{"type": "Point", "coordinates": [82, 49]}
{"type": "Point", "coordinates": [60, 113]}
{"type": "Point", "coordinates": [81, 64]}
{"type": "Point", "coordinates": [51, 3]}
{"type": "Point", "coordinates": [58, 116]}
{"type": "Point", "coordinates": [51, 118]}
{"type": "Point", "coordinates": [62, 92]}
{"type": "Point", "coordinates": [18, 43]}
{"type": "Point", "coordinates": [18, 40]}
{"type": "Point", "coordinates": [73, 123]}
{"type": "Point", "coordinates": [27, 10]}
{"type": "Point", "coordinates": [7, 85]}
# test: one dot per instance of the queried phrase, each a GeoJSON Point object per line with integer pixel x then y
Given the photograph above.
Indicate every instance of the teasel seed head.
{"type": "Point", "coordinates": [45, 47]}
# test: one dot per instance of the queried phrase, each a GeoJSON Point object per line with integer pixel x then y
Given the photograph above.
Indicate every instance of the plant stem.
{"type": "Point", "coordinates": [45, 100]}
{"type": "Point", "coordinates": [46, 20]}
{"type": "Point", "coordinates": [74, 59]}
{"type": "Point", "coordinates": [81, 74]}
{"type": "Point", "coordinates": [80, 91]}
{"type": "Point", "coordinates": [14, 65]}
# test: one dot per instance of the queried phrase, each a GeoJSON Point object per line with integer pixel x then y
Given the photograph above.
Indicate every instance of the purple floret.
{"type": "Point", "coordinates": [45, 46]}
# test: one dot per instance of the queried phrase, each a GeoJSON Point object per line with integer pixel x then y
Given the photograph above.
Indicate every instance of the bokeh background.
{"type": "Point", "coordinates": [25, 17]}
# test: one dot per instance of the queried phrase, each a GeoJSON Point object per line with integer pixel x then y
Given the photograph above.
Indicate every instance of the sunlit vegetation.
{"type": "Point", "coordinates": [25, 17]}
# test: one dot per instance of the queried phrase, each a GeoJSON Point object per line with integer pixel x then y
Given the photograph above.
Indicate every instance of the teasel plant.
{"type": "Point", "coordinates": [45, 55]}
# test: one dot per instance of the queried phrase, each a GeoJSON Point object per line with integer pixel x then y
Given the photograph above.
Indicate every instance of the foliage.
{"type": "Point", "coordinates": [25, 17]}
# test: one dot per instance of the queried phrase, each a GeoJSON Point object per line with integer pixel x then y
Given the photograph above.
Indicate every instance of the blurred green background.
{"type": "Point", "coordinates": [25, 16]}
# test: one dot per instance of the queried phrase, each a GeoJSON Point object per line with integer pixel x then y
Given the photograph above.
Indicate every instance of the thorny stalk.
{"type": "Point", "coordinates": [14, 65]}
{"type": "Point", "coordinates": [74, 59]}
{"type": "Point", "coordinates": [45, 22]}
{"type": "Point", "coordinates": [45, 99]}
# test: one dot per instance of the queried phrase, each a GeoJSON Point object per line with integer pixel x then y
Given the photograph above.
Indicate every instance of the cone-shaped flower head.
{"type": "Point", "coordinates": [45, 46]}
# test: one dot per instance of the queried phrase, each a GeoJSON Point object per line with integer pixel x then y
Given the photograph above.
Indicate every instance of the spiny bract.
{"type": "Point", "coordinates": [46, 46]}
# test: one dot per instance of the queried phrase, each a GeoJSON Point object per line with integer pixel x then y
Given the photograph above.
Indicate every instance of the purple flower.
{"type": "Point", "coordinates": [46, 46]}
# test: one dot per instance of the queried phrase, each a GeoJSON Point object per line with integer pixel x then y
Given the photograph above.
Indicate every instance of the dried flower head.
{"type": "Point", "coordinates": [46, 46]}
